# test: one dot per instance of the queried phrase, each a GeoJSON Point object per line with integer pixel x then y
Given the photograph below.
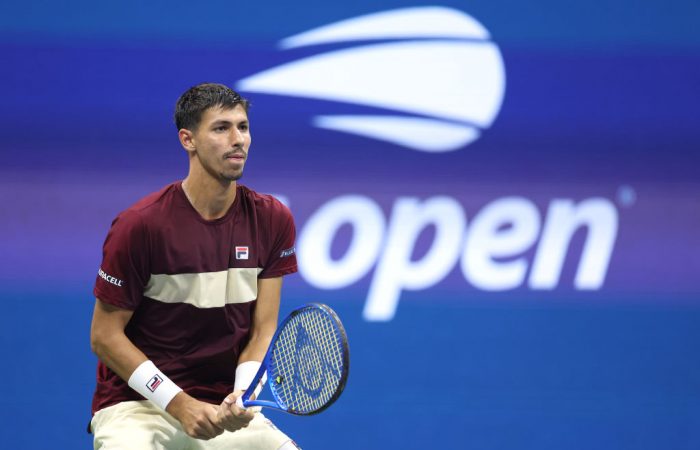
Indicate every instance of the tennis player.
{"type": "Point", "coordinates": [188, 296]}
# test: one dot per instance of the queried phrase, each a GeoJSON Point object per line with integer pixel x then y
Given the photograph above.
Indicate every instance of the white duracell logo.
{"type": "Point", "coordinates": [433, 82]}
{"type": "Point", "coordinates": [110, 279]}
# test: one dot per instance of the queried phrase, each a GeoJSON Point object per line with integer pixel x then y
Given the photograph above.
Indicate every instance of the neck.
{"type": "Point", "coordinates": [211, 198]}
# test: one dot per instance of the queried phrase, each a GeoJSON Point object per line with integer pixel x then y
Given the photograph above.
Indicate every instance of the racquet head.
{"type": "Point", "coordinates": [309, 360]}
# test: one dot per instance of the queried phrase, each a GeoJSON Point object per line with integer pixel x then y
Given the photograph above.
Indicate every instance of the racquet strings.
{"type": "Point", "coordinates": [306, 366]}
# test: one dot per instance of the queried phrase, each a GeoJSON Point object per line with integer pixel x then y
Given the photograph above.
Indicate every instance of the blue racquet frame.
{"type": "Point", "coordinates": [339, 374]}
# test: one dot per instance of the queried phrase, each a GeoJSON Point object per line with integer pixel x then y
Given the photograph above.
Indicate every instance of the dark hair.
{"type": "Point", "coordinates": [197, 99]}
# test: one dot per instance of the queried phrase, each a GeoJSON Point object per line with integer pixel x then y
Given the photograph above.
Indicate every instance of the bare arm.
{"type": "Point", "coordinates": [116, 350]}
{"type": "Point", "coordinates": [264, 320]}
{"type": "Point", "coordinates": [263, 328]}
{"type": "Point", "coordinates": [109, 342]}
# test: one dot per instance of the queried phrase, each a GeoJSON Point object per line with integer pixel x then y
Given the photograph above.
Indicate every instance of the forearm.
{"type": "Point", "coordinates": [110, 343]}
{"type": "Point", "coordinates": [262, 330]}
{"type": "Point", "coordinates": [249, 362]}
{"type": "Point", "coordinates": [119, 354]}
{"type": "Point", "coordinates": [264, 320]}
{"type": "Point", "coordinates": [115, 349]}
{"type": "Point", "coordinates": [257, 346]}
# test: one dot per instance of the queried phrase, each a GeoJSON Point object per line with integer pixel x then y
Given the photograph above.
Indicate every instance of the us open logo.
{"type": "Point", "coordinates": [430, 78]}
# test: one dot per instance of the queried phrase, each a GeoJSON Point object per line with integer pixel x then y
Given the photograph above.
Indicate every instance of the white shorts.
{"type": "Point", "coordinates": [138, 425]}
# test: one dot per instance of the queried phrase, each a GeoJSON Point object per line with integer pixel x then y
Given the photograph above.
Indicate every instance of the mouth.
{"type": "Point", "coordinates": [236, 156]}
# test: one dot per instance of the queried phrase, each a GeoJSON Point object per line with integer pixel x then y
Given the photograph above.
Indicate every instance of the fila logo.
{"type": "Point", "coordinates": [154, 382]}
{"type": "Point", "coordinates": [428, 78]}
{"type": "Point", "coordinates": [241, 252]}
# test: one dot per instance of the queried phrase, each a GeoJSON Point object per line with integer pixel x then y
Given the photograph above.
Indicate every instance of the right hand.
{"type": "Point", "coordinates": [198, 418]}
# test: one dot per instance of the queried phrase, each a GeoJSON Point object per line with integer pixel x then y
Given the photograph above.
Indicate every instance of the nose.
{"type": "Point", "coordinates": [237, 138]}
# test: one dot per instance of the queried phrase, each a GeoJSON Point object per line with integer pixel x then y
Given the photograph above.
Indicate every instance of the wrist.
{"type": "Point", "coordinates": [153, 384]}
{"type": "Point", "coordinates": [177, 404]}
{"type": "Point", "coordinates": [245, 374]}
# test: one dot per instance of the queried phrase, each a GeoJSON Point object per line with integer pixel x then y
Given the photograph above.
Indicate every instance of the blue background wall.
{"type": "Point", "coordinates": [600, 103]}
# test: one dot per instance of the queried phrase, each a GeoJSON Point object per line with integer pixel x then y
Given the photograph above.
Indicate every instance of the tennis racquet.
{"type": "Point", "coordinates": [307, 362]}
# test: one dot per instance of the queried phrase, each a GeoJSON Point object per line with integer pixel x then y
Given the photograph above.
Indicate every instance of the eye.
{"type": "Point", "coordinates": [243, 127]}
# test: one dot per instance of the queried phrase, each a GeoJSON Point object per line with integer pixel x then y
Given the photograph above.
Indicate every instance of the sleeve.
{"type": "Point", "coordinates": [281, 234]}
{"type": "Point", "coordinates": [124, 271]}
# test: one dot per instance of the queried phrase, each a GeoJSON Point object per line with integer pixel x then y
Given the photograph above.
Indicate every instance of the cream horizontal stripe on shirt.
{"type": "Point", "coordinates": [207, 289]}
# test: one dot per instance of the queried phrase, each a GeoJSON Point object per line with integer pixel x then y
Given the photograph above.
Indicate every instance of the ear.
{"type": "Point", "coordinates": [186, 139]}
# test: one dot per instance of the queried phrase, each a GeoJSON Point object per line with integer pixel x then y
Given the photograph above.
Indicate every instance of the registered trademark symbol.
{"type": "Point", "coordinates": [626, 195]}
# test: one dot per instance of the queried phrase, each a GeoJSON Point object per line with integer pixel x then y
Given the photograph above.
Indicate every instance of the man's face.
{"type": "Point", "coordinates": [222, 141]}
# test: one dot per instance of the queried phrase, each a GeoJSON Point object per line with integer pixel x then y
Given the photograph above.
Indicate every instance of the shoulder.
{"type": "Point", "coordinates": [265, 205]}
{"type": "Point", "coordinates": [154, 200]}
{"type": "Point", "coordinates": [150, 206]}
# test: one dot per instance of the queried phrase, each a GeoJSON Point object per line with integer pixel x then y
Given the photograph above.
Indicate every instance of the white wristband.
{"type": "Point", "coordinates": [245, 373]}
{"type": "Point", "coordinates": [150, 382]}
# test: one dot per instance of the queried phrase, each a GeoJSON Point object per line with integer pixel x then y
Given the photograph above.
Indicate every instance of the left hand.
{"type": "Point", "coordinates": [230, 416]}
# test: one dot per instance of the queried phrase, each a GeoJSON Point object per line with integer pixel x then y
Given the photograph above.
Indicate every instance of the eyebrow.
{"type": "Point", "coordinates": [220, 122]}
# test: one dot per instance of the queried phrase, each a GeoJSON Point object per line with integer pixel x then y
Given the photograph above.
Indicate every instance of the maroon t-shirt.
{"type": "Point", "coordinates": [192, 284]}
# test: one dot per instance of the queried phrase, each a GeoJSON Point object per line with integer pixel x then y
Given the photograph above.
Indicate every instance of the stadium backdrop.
{"type": "Point", "coordinates": [499, 198]}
